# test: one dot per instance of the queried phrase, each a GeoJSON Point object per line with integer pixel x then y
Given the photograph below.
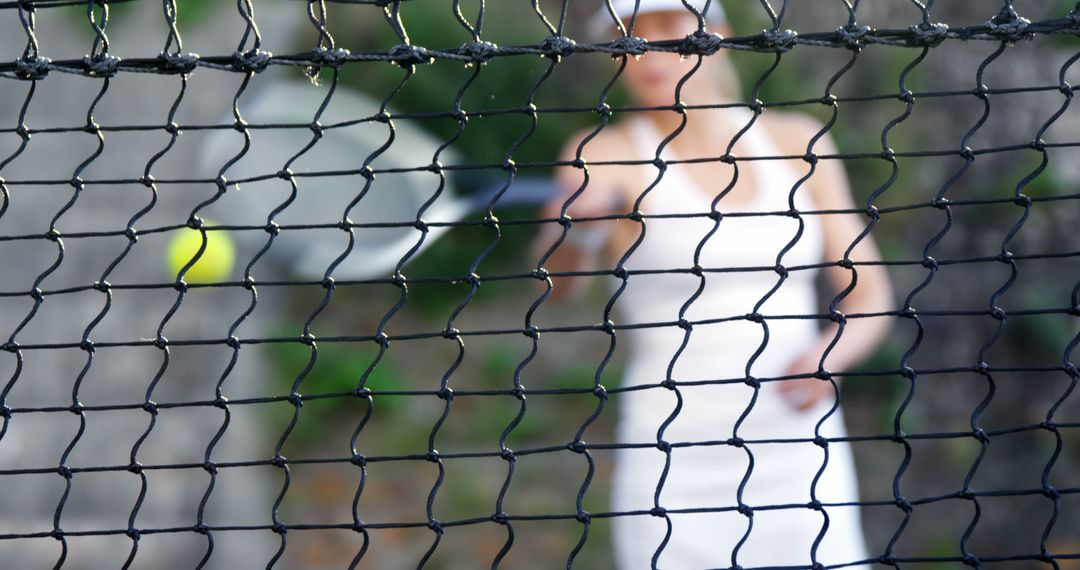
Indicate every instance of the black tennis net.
{"type": "Point", "coordinates": [378, 382]}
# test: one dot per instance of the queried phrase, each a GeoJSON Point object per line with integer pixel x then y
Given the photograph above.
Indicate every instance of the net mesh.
{"type": "Point", "coordinates": [445, 412]}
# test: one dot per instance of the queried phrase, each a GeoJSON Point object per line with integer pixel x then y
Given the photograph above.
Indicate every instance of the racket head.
{"type": "Point", "coordinates": [327, 185]}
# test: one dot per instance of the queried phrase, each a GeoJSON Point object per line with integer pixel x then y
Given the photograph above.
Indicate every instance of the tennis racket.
{"type": "Point", "coordinates": [328, 180]}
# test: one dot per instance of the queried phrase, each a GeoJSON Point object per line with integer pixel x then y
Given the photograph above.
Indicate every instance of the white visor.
{"type": "Point", "coordinates": [601, 20]}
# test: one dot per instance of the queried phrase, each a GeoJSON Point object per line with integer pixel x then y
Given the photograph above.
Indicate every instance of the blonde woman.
{"type": "Point", "coordinates": [717, 520]}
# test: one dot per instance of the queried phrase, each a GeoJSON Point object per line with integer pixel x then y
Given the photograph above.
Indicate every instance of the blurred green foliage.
{"type": "Point", "coordinates": [189, 14]}
{"type": "Point", "coordinates": [338, 370]}
{"type": "Point", "coordinates": [499, 84]}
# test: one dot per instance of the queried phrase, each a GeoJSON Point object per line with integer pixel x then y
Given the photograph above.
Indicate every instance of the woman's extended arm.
{"type": "Point", "coordinates": [586, 240]}
{"type": "Point", "coordinates": [872, 291]}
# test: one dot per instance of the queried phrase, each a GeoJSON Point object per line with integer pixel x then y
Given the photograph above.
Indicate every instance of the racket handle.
{"type": "Point", "coordinates": [525, 191]}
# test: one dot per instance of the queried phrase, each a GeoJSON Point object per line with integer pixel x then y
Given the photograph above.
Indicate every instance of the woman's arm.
{"type": "Point", "coordinates": [585, 242]}
{"type": "Point", "coordinates": [872, 292]}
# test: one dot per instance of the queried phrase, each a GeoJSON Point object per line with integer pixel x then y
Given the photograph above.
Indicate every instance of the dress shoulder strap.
{"type": "Point", "coordinates": [756, 141]}
{"type": "Point", "coordinates": [775, 178]}
{"type": "Point", "coordinates": [644, 137]}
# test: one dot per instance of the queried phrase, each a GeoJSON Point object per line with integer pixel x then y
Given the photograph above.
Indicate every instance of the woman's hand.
{"type": "Point", "coordinates": [804, 393]}
{"type": "Point", "coordinates": [592, 194]}
{"type": "Point", "coordinates": [864, 288]}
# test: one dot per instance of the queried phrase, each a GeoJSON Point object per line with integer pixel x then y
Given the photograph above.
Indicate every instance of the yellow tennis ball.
{"type": "Point", "coordinates": [214, 265]}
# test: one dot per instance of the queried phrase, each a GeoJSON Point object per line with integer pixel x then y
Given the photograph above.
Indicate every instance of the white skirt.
{"type": "Point", "coordinates": [703, 480]}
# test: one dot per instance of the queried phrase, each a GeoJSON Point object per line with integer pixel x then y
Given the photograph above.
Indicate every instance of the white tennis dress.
{"type": "Point", "coordinates": [708, 476]}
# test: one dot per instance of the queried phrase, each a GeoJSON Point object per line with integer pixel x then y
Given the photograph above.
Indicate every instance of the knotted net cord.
{"type": "Point", "coordinates": [33, 68]}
